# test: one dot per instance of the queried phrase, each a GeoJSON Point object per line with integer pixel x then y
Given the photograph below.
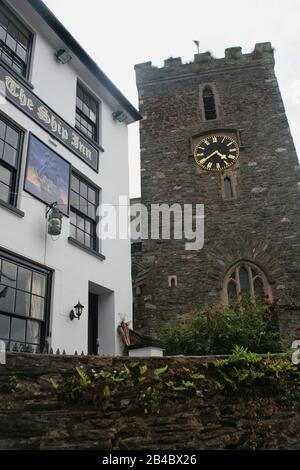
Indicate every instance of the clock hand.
{"type": "Point", "coordinates": [209, 156]}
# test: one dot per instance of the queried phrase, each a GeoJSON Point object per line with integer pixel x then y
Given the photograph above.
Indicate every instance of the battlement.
{"type": "Point", "coordinates": [263, 52]}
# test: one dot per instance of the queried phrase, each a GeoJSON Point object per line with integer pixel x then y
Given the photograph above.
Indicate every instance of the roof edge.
{"type": "Point", "coordinates": [78, 50]}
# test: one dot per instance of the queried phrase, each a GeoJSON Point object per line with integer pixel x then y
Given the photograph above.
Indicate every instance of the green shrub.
{"type": "Point", "coordinates": [215, 330]}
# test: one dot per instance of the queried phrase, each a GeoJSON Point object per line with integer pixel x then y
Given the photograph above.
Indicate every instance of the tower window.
{"type": "Point", "coordinates": [209, 104]}
{"type": "Point", "coordinates": [245, 278]}
{"type": "Point", "coordinates": [228, 191]}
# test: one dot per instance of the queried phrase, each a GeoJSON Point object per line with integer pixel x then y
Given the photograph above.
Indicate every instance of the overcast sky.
{"type": "Point", "coordinates": [121, 33]}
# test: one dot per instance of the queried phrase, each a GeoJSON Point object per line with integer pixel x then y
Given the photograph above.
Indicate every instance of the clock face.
{"type": "Point", "coordinates": [216, 152]}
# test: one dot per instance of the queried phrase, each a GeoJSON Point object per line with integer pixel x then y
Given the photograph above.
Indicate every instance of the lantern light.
{"type": "Point", "coordinates": [77, 312]}
{"type": "Point", "coordinates": [54, 220]}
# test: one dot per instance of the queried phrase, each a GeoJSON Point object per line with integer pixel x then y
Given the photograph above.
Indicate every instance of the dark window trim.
{"type": "Point", "coordinates": [98, 102]}
{"type": "Point", "coordinates": [83, 247]}
{"type": "Point", "coordinates": [21, 79]}
{"type": "Point", "coordinates": [15, 258]}
{"type": "Point", "coordinates": [15, 14]}
{"type": "Point", "coordinates": [19, 163]}
{"type": "Point", "coordinates": [85, 179]}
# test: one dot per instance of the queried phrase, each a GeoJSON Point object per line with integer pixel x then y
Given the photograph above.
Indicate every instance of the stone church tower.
{"type": "Point", "coordinates": [192, 114]}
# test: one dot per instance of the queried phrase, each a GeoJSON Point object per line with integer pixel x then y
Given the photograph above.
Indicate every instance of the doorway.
{"type": "Point", "coordinates": [93, 324]}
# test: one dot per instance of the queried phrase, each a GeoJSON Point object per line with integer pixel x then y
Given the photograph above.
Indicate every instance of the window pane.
{"type": "Point", "coordinates": [83, 189]}
{"type": "Point", "coordinates": [92, 196]}
{"type": "Point", "coordinates": [88, 226]}
{"type": "Point", "coordinates": [74, 200]}
{"type": "Point", "coordinates": [258, 287]}
{"type": "Point", "coordinates": [92, 211]}
{"type": "Point", "coordinates": [5, 175]}
{"type": "Point", "coordinates": [33, 332]}
{"type": "Point", "coordinates": [37, 307]}
{"type": "Point", "coordinates": [7, 299]}
{"type": "Point", "coordinates": [12, 137]}
{"type": "Point", "coordinates": [39, 284]}
{"type": "Point", "coordinates": [4, 326]}
{"type": "Point", "coordinates": [10, 155]}
{"type": "Point", "coordinates": [231, 290]}
{"type": "Point", "coordinates": [11, 42]}
{"type": "Point", "coordinates": [2, 129]}
{"type": "Point", "coordinates": [80, 222]}
{"type": "Point", "coordinates": [4, 192]}
{"type": "Point", "coordinates": [88, 241]}
{"type": "Point", "coordinates": [24, 279]}
{"type": "Point", "coordinates": [9, 274]}
{"type": "Point", "coordinates": [72, 231]}
{"type": "Point", "coordinates": [18, 329]}
{"type": "Point", "coordinates": [22, 303]}
{"type": "Point", "coordinates": [244, 279]}
{"type": "Point", "coordinates": [75, 184]}
{"type": "Point", "coordinates": [80, 236]}
{"type": "Point", "coordinates": [83, 205]}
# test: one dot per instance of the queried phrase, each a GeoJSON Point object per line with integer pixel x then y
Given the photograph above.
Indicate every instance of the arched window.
{"type": "Point", "coordinates": [209, 104]}
{"type": "Point", "coordinates": [245, 278]}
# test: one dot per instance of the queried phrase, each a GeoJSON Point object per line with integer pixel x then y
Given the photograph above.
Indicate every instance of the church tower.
{"type": "Point", "coordinates": [215, 132]}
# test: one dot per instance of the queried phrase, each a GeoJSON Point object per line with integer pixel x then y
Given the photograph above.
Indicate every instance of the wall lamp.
{"type": "Point", "coordinates": [54, 219]}
{"type": "Point", "coordinates": [119, 116]}
{"type": "Point", "coordinates": [63, 56]}
{"type": "Point", "coordinates": [77, 311]}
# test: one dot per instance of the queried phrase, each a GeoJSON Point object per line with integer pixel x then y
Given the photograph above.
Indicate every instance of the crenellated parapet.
{"type": "Point", "coordinates": [203, 62]}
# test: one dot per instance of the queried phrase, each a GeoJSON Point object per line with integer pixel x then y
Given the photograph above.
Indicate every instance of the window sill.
{"type": "Point", "coordinates": [12, 209]}
{"type": "Point", "coordinates": [18, 77]}
{"type": "Point", "coordinates": [74, 242]}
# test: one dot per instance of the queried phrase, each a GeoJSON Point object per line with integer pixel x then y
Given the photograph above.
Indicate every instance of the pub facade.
{"type": "Point", "coordinates": [63, 153]}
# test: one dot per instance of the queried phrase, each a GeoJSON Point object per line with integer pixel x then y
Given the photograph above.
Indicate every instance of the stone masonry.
{"type": "Point", "coordinates": [32, 418]}
{"type": "Point", "coordinates": [261, 225]}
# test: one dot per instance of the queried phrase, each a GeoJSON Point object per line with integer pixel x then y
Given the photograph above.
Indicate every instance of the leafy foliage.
{"type": "Point", "coordinates": [213, 330]}
{"type": "Point", "coordinates": [148, 387]}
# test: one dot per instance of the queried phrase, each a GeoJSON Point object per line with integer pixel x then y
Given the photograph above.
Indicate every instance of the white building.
{"type": "Point", "coordinates": [63, 139]}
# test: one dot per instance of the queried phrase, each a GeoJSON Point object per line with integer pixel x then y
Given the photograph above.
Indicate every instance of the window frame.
{"type": "Point", "coordinates": [75, 210]}
{"type": "Point", "coordinates": [86, 91]}
{"type": "Point", "coordinates": [233, 275]}
{"type": "Point", "coordinates": [38, 268]}
{"type": "Point", "coordinates": [15, 18]}
{"type": "Point", "coordinates": [17, 170]}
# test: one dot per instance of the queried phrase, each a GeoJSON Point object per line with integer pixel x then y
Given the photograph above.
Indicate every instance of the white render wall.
{"type": "Point", "coordinates": [74, 269]}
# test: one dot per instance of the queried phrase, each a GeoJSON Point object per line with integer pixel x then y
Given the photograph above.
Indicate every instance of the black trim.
{"type": "Point", "coordinates": [21, 79]}
{"type": "Point", "coordinates": [16, 258]}
{"type": "Point", "coordinates": [12, 209]}
{"type": "Point", "coordinates": [90, 141]}
{"type": "Point", "coordinates": [17, 169]}
{"type": "Point", "coordinates": [74, 242]}
{"type": "Point", "coordinates": [15, 14]}
{"type": "Point", "coordinates": [78, 50]}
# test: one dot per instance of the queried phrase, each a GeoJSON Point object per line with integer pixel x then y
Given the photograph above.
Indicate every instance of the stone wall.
{"type": "Point", "coordinates": [261, 225]}
{"type": "Point", "coordinates": [32, 418]}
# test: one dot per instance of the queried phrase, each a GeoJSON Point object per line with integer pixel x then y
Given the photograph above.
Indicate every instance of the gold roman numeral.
{"type": "Point", "coordinates": [206, 142]}
{"type": "Point", "coordinates": [230, 143]}
{"type": "Point", "coordinates": [215, 139]}
{"type": "Point", "coordinates": [218, 166]}
{"type": "Point", "coordinates": [209, 165]}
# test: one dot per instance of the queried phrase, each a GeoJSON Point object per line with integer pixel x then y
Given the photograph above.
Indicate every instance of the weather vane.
{"type": "Point", "coordinates": [197, 44]}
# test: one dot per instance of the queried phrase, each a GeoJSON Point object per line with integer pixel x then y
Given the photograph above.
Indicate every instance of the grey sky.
{"type": "Point", "coordinates": [120, 33]}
